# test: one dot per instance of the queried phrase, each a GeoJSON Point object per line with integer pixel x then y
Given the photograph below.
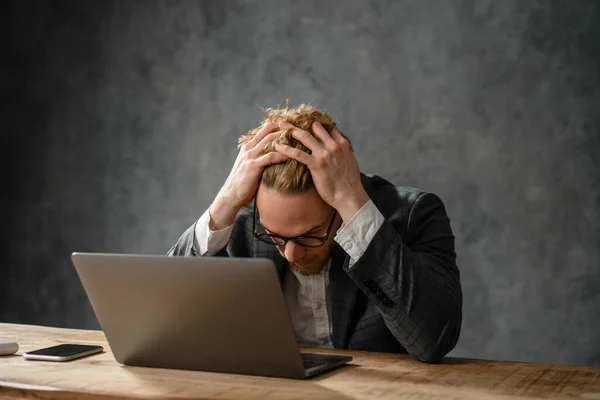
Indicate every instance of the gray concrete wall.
{"type": "Point", "coordinates": [122, 119]}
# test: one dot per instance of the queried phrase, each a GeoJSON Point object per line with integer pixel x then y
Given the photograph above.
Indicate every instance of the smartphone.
{"type": "Point", "coordinates": [63, 352]}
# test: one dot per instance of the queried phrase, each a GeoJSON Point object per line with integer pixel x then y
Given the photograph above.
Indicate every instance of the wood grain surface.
{"type": "Point", "coordinates": [369, 376]}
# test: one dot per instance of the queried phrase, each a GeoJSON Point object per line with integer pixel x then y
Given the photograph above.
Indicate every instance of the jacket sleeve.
{"type": "Point", "coordinates": [187, 245]}
{"type": "Point", "coordinates": [415, 285]}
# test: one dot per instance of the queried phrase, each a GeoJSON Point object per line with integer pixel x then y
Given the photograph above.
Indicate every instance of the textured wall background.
{"type": "Point", "coordinates": [121, 120]}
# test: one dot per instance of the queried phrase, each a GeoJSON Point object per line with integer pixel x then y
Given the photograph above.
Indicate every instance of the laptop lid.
{"type": "Point", "coordinates": [199, 313]}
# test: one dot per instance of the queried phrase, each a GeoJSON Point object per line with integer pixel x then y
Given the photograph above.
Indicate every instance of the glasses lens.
{"type": "Point", "coordinates": [277, 241]}
{"type": "Point", "coordinates": [309, 242]}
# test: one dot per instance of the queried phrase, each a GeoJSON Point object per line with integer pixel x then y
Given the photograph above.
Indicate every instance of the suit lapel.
{"type": "Point", "coordinates": [343, 297]}
{"type": "Point", "coordinates": [282, 266]}
{"type": "Point", "coordinates": [264, 250]}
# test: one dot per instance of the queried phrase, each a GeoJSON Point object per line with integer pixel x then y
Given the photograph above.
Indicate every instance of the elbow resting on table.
{"type": "Point", "coordinates": [445, 340]}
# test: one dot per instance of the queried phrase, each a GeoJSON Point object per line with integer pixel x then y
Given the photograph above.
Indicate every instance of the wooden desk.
{"type": "Point", "coordinates": [370, 375]}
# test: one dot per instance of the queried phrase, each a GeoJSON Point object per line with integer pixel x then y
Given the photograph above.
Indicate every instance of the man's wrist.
{"type": "Point", "coordinates": [356, 235]}
{"type": "Point", "coordinates": [222, 214]}
{"type": "Point", "coordinates": [351, 205]}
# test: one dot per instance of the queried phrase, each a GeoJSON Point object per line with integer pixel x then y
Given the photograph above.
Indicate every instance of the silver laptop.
{"type": "Point", "coordinates": [198, 313]}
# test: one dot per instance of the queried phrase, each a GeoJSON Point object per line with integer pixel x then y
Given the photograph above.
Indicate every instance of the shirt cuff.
{"type": "Point", "coordinates": [355, 236]}
{"type": "Point", "coordinates": [211, 242]}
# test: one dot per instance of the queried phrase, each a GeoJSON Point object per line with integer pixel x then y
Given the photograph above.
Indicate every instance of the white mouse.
{"type": "Point", "coordinates": [7, 348]}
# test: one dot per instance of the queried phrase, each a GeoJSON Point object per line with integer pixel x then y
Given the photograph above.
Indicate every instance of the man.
{"type": "Point", "coordinates": [363, 264]}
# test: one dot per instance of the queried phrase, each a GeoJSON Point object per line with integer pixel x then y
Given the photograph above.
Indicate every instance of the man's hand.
{"type": "Point", "coordinates": [333, 167]}
{"type": "Point", "coordinates": [241, 184]}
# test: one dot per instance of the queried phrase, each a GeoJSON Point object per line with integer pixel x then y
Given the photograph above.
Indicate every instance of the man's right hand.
{"type": "Point", "coordinates": [241, 184]}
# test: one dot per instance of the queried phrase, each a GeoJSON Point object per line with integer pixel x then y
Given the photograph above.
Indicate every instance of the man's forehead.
{"type": "Point", "coordinates": [290, 211]}
{"type": "Point", "coordinates": [288, 219]}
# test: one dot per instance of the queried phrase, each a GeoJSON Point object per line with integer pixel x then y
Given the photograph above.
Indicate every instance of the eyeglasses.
{"type": "Point", "coordinates": [302, 240]}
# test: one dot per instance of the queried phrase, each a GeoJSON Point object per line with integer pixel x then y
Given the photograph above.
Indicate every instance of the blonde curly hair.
{"type": "Point", "coordinates": [290, 176]}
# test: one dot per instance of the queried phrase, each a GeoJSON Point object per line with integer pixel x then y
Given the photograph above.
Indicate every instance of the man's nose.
{"type": "Point", "coordinates": [293, 252]}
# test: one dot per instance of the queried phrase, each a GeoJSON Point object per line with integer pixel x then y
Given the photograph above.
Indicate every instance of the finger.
{"type": "Point", "coordinates": [302, 136]}
{"type": "Point", "coordinates": [296, 154]}
{"type": "Point", "coordinates": [264, 131]}
{"type": "Point", "coordinates": [337, 136]}
{"type": "Point", "coordinates": [273, 157]}
{"type": "Point", "coordinates": [322, 133]}
{"type": "Point", "coordinates": [266, 141]}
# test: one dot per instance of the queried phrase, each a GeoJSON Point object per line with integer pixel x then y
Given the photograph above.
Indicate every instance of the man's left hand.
{"type": "Point", "coordinates": [333, 167]}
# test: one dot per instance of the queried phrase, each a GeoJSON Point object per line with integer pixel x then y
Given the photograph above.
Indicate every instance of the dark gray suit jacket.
{"type": "Point", "coordinates": [402, 296]}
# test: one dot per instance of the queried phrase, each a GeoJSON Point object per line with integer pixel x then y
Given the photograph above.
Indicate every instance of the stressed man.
{"type": "Point", "coordinates": [363, 264]}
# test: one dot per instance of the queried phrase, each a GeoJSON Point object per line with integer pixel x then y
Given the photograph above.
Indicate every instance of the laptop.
{"type": "Point", "coordinates": [197, 313]}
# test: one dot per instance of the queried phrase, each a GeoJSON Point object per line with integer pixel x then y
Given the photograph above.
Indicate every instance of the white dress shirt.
{"type": "Point", "coordinates": [307, 296]}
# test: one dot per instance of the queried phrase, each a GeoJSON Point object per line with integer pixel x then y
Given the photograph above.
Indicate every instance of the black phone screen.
{"type": "Point", "coordinates": [64, 350]}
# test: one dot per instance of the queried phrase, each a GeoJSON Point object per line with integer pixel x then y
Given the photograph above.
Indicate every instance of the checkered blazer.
{"type": "Point", "coordinates": [402, 296]}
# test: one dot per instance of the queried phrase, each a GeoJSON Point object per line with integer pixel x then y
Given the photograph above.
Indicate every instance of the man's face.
{"type": "Point", "coordinates": [298, 214]}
